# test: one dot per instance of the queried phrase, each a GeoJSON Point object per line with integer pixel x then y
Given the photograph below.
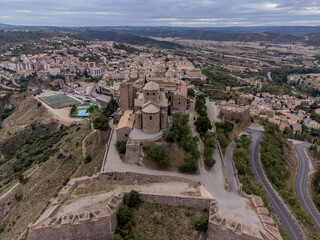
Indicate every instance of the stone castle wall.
{"type": "Point", "coordinates": [133, 152]}
{"type": "Point", "coordinates": [190, 202]}
{"type": "Point", "coordinates": [242, 115]}
{"type": "Point", "coordinates": [101, 224]}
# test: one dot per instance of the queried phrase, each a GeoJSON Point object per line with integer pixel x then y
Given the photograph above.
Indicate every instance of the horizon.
{"type": "Point", "coordinates": [179, 13]}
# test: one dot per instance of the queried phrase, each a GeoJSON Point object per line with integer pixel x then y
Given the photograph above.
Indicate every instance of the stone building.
{"type": "Point", "coordinates": [235, 113]}
{"type": "Point", "coordinates": [125, 126]}
{"type": "Point", "coordinates": [151, 108]}
{"type": "Point", "coordinates": [126, 96]}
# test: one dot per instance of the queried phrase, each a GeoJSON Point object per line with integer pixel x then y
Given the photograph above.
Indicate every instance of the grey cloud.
{"type": "Point", "coordinates": [160, 12]}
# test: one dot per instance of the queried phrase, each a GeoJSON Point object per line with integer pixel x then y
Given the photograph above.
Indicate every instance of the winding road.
{"type": "Point", "coordinates": [282, 211]}
{"type": "Point", "coordinates": [301, 184]}
{"type": "Point", "coordinates": [233, 183]}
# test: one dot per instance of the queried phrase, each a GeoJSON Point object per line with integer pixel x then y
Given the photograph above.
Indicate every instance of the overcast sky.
{"type": "Point", "coordinates": [205, 13]}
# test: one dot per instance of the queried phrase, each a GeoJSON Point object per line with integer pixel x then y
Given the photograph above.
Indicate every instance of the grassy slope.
{"type": "Point", "coordinates": [48, 179]}
{"type": "Point", "coordinates": [160, 222]}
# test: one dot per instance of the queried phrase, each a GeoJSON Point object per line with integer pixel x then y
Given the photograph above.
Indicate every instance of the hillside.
{"type": "Point", "coordinates": [49, 152]}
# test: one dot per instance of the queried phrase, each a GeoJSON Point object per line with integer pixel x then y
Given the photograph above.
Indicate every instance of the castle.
{"type": "Point", "coordinates": [151, 103]}
{"type": "Point", "coordinates": [151, 109]}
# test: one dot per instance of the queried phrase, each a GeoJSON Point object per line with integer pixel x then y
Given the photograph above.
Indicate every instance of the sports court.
{"type": "Point", "coordinates": [59, 101]}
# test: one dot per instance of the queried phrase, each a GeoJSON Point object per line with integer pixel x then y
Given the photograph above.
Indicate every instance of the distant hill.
{"type": "Point", "coordinates": [141, 35]}
{"type": "Point", "coordinates": [127, 38]}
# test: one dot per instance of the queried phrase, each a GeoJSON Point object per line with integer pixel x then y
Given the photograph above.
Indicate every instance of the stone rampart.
{"type": "Point", "coordinates": [96, 225]}
{"type": "Point", "coordinates": [190, 202]}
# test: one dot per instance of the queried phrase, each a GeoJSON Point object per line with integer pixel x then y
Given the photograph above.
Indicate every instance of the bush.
{"type": "Point", "coordinates": [132, 199]}
{"type": "Point", "coordinates": [209, 161]}
{"type": "Point", "coordinates": [101, 122]}
{"type": "Point", "coordinates": [18, 196]}
{"type": "Point", "coordinates": [203, 124]}
{"type": "Point", "coordinates": [22, 179]}
{"type": "Point", "coordinates": [124, 215]}
{"type": "Point", "coordinates": [160, 155]}
{"type": "Point", "coordinates": [191, 93]}
{"type": "Point", "coordinates": [190, 167]}
{"type": "Point", "coordinates": [117, 237]}
{"type": "Point", "coordinates": [121, 147]}
{"type": "Point", "coordinates": [88, 158]}
{"type": "Point", "coordinates": [201, 224]}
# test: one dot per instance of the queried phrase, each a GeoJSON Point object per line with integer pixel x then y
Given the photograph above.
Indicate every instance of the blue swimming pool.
{"type": "Point", "coordinates": [83, 113]}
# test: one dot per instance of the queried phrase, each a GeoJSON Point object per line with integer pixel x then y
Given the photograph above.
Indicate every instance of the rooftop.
{"type": "Point", "coordinates": [126, 120]}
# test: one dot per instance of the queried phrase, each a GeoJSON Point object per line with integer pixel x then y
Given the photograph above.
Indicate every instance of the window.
{"type": "Point", "coordinates": [153, 93]}
{"type": "Point", "coordinates": [147, 93]}
{"type": "Point", "coordinates": [150, 117]}
{"type": "Point", "coordinates": [179, 103]}
{"type": "Point", "coordinates": [126, 135]}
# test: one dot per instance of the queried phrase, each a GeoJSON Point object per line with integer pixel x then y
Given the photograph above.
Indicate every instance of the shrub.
{"type": "Point", "coordinates": [189, 167]}
{"type": "Point", "coordinates": [88, 158]}
{"type": "Point", "coordinates": [22, 178]}
{"type": "Point", "coordinates": [209, 161]}
{"type": "Point", "coordinates": [201, 224]}
{"type": "Point", "coordinates": [121, 147]}
{"type": "Point", "coordinates": [208, 151]}
{"type": "Point", "coordinates": [160, 155]}
{"type": "Point", "coordinates": [132, 199]}
{"type": "Point", "coordinates": [18, 196]}
{"type": "Point", "coordinates": [203, 124]}
{"type": "Point", "coordinates": [124, 215]}
{"type": "Point", "coordinates": [101, 122]}
{"type": "Point", "coordinates": [117, 237]}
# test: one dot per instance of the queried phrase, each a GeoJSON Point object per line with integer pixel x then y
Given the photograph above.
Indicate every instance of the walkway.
{"type": "Point", "coordinates": [230, 204]}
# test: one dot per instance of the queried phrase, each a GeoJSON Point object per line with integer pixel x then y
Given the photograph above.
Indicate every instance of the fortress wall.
{"type": "Point", "coordinates": [129, 178]}
{"type": "Point", "coordinates": [190, 202]}
{"type": "Point", "coordinates": [216, 232]}
{"type": "Point", "coordinates": [92, 230]}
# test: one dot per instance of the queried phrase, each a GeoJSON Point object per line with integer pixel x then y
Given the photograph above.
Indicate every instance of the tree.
{"type": "Point", "coordinates": [121, 147]}
{"type": "Point", "coordinates": [201, 224]}
{"type": "Point", "coordinates": [101, 122]}
{"type": "Point", "coordinates": [203, 124]}
{"type": "Point", "coordinates": [124, 215]}
{"type": "Point", "coordinates": [132, 199]}
{"type": "Point", "coordinates": [88, 158]}
{"type": "Point", "coordinates": [22, 178]}
{"type": "Point", "coordinates": [191, 93]}
{"type": "Point", "coordinates": [160, 155]}
{"type": "Point", "coordinates": [73, 109]}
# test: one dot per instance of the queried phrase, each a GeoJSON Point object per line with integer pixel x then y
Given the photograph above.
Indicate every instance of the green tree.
{"type": "Point", "coordinates": [124, 215]}
{"type": "Point", "coordinates": [22, 179]}
{"type": "Point", "coordinates": [203, 124]}
{"type": "Point", "coordinates": [132, 199]}
{"type": "Point", "coordinates": [101, 122]}
{"type": "Point", "coordinates": [88, 158]}
{"type": "Point", "coordinates": [73, 109]}
{"type": "Point", "coordinates": [160, 155]}
{"type": "Point", "coordinates": [201, 224]}
{"type": "Point", "coordinates": [191, 93]}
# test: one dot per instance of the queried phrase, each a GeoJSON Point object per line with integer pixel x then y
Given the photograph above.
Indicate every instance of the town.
{"type": "Point", "coordinates": [133, 124]}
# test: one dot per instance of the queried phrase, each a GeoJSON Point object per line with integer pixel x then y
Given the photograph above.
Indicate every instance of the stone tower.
{"type": "Point", "coordinates": [126, 96]}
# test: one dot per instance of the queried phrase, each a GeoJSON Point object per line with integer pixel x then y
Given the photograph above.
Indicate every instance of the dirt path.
{"type": "Point", "coordinates": [84, 149]}
{"type": "Point", "coordinates": [17, 184]}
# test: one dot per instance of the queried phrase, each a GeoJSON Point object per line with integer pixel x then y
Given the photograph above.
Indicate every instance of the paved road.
{"type": "Point", "coordinates": [213, 111]}
{"type": "Point", "coordinates": [230, 204]}
{"type": "Point", "coordinates": [280, 208]}
{"type": "Point", "coordinates": [301, 184]}
{"type": "Point", "coordinates": [230, 169]}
